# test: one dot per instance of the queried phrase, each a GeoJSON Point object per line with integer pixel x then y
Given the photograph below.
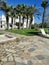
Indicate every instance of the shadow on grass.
{"type": "Point", "coordinates": [1, 33]}
{"type": "Point", "coordinates": [32, 33]}
{"type": "Point", "coordinates": [25, 32]}
{"type": "Point", "coordinates": [37, 34]}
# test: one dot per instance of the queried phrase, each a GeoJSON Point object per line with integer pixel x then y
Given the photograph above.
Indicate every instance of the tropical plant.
{"type": "Point", "coordinates": [7, 13]}
{"type": "Point", "coordinates": [6, 9]}
{"type": "Point", "coordinates": [27, 16]}
{"type": "Point", "coordinates": [11, 15]}
{"type": "Point", "coordinates": [44, 5]}
{"type": "Point", "coordinates": [18, 8]}
{"type": "Point", "coordinates": [23, 11]}
{"type": "Point", "coordinates": [45, 25]}
{"type": "Point", "coordinates": [33, 12]}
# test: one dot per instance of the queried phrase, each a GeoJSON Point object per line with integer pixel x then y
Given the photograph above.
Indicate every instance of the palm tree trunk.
{"type": "Point", "coordinates": [23, 23]}
{"type": "Point", "coordinates": [12, 23]}
{"type": "Point", "coordinates": [1, 24]}
{"type": "Point", "coordinates": [7, 21]}
{"type": "Point", "coordinates": [19, 27]}
{"type": "Point", "coordinates": [43, 18]}
{"type": "Point", "coordinates": [27, 22]}
{"type": "Point", "coordinates": [30, 22]}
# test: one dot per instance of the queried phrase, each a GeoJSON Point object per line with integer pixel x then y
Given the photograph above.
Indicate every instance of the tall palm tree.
{"type": "Point", "coordinates": [23, 11]}
{"type": "Point", "coordinates": [1, 4]}
{"type": "Point", "coordinates": [13, 14]}
{"type": "Point", "coordinates": [44, 5]}
{"type": "Point", "coordinates": [33, 11]}
{"type": "Point", "coordinates": [6, 9]}
{"type": "Point", "coordinates": [27, 16]}
{"type": "Point", "coordinates": [1, 8]}
{"type": "Point", "coordinates": [18, 8]}
{"type": "Point", "coordinates": [7, 12]}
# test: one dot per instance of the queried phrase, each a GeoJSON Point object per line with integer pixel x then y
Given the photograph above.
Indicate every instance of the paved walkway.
{"type": "Point", "coordinates": [31, 50]}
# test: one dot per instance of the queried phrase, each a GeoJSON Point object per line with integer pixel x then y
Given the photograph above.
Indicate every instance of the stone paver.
{"type": "Point", "coordinates": [30, 63]}
{"type": "Point", "coordinates": [9, 63]}
{"type": "Point", "coordinates": [40, 57]}
{"type": "Point", "coordinates": [31, 50]}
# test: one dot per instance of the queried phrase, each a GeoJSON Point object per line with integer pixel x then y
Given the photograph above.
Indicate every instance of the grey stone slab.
{"type": "Point", "coordinates": [20, 52]}
{"type": "Point", "coordinates": [40, 57]}
{"type": "Point", "coordinates": [17, 48]}
{"type": "Point", "coordinates": [47, 57]}
{"type": "Point", "coordinates": [30, 62]}
{"type": "Point", "coordinates": [9, 63]}
{"type": "Point", "coordinates": [18, 63]}
{"type": "Point", "coordinates": [31, 49]}
{"type": "Point", "coordinates": [46, 62]}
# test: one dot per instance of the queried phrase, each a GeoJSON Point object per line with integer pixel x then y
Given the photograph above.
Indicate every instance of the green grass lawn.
{"type": "Point", "coordinates": [46, 30]}
{"type": "Point", "coordinates": [26, 32]}
{"type": "Point", "coordinates": [1, 33]}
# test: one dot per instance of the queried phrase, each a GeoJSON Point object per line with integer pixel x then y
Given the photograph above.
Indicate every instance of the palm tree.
{"type": "Point", "coordinates": [23, 11]}
{"type": "Point", "coordinates": [13, 15]}
{"type": "Point", "coordinates": [33, 12]}
{"type": "Point", "coordinates": [18, 8]}
{"type": "Point", "coordinates": [27, 16]}
{"type": "Point", "coordinates": [7, 12]}
{"type": "Point", "coordinates": [23, 20]}
{"type": "Point", "coordinates": [1, 4]}
{"type": "Point", "coordinates": [44, 5]}
{"type": "Point", "coordinates": [6, 9]}
{"type": "Point", "coordinates": [1, 7]}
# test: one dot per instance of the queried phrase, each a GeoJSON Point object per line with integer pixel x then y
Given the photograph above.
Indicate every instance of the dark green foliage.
{"type": "Point", "coordinates": [44, 5]}
{"type": "Point", "coordinates": [17, 24]}
{"type": "Point", "coordinates": [45, 25]}
{"type": "Point", "coordinates": [35, 26]}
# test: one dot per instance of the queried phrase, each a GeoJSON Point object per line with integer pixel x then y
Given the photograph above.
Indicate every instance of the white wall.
{"type": "Point", "coordinates": [3, 19]}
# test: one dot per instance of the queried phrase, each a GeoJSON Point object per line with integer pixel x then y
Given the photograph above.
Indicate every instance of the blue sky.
{"type": "Point", "coordinates": [27, 2]}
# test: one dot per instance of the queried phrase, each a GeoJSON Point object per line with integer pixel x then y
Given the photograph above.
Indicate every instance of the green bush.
{"type": "Point", "coordinates": [32, 27]}
{"type": "Point", "coordinates": [45, 25]}
{"type": "Point", "coordinates": [35, 26]}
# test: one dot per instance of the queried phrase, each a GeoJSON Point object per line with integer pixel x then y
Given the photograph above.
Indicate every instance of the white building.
{"type": "Point", "coordinates": [3, 22]}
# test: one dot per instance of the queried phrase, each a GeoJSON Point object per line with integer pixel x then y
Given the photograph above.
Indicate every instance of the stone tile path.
{"type": "Point", "coordinates": [31, 50]}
